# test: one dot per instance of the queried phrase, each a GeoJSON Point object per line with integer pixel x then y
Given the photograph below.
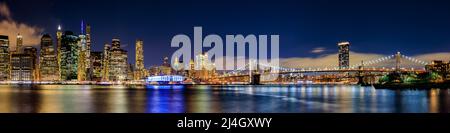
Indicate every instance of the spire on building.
{"type": "Point", "coordinates": [82, 27]}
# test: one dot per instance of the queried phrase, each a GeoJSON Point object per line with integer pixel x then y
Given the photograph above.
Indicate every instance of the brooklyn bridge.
{"type": "Point", "coordinates": [365, 72]}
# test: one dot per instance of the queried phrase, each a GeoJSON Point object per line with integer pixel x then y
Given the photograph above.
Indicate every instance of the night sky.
{"type": "Point", "coordinates": [378, 26]}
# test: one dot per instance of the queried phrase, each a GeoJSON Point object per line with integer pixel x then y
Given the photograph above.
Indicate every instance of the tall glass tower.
{"type": "Point", "coordinates": [344, 56]}
{"type": "Point", "coordinates": [69, 56]}
{"type": "Point", "coordinates": [139, 72]}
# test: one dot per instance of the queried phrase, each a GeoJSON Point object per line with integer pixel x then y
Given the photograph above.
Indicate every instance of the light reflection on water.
{"type": "Point", "coordinates": [209, 99]}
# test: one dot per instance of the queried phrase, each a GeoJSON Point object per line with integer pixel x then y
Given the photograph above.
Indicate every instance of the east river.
{"type": "Point", "coordinates": [218, 99]}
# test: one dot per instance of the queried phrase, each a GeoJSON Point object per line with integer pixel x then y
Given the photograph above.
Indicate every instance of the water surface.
{"type": "Point", "coordinates": [217, 99]}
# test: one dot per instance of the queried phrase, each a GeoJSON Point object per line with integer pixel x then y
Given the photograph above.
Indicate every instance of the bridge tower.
{"type": "Point", "coordinates": [360, 74]}
{"type": "Point", "coordinates": [253, 70]}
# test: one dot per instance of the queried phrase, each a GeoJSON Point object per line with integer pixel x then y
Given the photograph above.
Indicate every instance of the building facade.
{"type": "Point", "coordinates": [118, 65]}
{"type": "Point", "coordinates": [69, 56]}
{"type": "Point", "coordinates": [105, 62]}
{"type": "Point", "coordinates": [204, 70]}
{"type": "Point", "coordinates": [58, 49]}
{"type": "Point", "coordinates": [96, 66]}
{"type": "Point", "coordinates": [344, 55]}
{"type": "Point", "coordinates": [140, 69]}
{"type": "Point", "coordinates": [24, 65]}
{"type": "Point", "coordinates": [81, 71]}
{"type": "Point", "coordinates": [4, 58]}
{"type": "Point", "coordinates": [440, 67]}
{"type": "Point", "coordinates": [87, 51]}
{"type": "Point", "coordinates": [19, 42]}
{"type": "Point", "coordinates": [48, 66]}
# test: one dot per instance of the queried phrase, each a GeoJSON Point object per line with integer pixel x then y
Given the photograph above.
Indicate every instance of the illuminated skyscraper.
{"type": "Point", "coordinates": [81, 71]}
{"type": "Point", "coordinates": [19, 42]}
{"type": "Point", "coordinates": [165, 68]}
{"type": "Point", "coordinates": [177, 67]}
{"type": "Point", "coordinates": [439, 67]}
{"type": "Point", "coordinates": [88, 44]}
{"type": "Point", "coordinates": [204, 69]}
{"type": "Point", "coordinates": [176, 64]}
{"type": "Point", "coordinates": [166, 62]}
{"type": "Point", "coordinates": [344, 56]}
{"type": "Point", "coordinates": [69, 56]}
{"type": "Point", "coordinates": [24, 65]}
{"type": "Point", "coordinates": [115, 44]}
{"type": "Point", "coordinates": [58, 49]}
{"type": "Point", "coordinates": [32, 51]}
{"type": "Point", "coordinates": [48, 70]}
{"type": "Point", "coordinates": [139, 72]}
{"type": "Point", "coordinates": [96, 58]}
{"type": "Point", "coordinates": [105, 62]}
{"type": "Point", "coordinates": [118, 65]}
{"type": "Point", "coordinates": [82, 66]}
{"type": "Point", "coordinates": [4, 58]}
{"type": "Point", "coordinates": [87, 52]}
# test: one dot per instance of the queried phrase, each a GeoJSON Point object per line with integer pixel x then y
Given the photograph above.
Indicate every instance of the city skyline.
{"type": "Point", "coordinates": [311, 49]}
{"type": "Point", "coordinates": [204, 56]}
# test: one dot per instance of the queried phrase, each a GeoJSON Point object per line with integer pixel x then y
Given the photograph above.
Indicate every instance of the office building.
{"type": "Point", "coordinates": [48, 68]}
{"type": "Point", "coordinates": [96, 66]}
{"type": "Point", "coordinates": [69, 56]}
{"type": "Point", "coordinates": [105, 62]}
{"type": "Point", "coordinates": [58, 49]}
{"type": "Point", "coordinates": [139, 72]}
{"type": "Point", "coordinates": [344, 55]}
{"type": "Point", "coordinates": [24, 65]}
{"type": "Point", "coordinates": [440, 67]}
{"type": "Point", "coordinates": [4, 58]}
{"type": "Point", "coordinates": [118, 65]}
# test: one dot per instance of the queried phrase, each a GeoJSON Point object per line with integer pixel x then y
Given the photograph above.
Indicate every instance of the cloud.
{"type": "Point", "coordinates": [4, 10]}
{"type": "Point", "coordinates": [327, 60]}
{"type": "Point", "coordinates": [331, 60]}
{"type": "Point", "coordinates": [434, 56]}
{"type": "Point", "coordinates": [318, 50]}
{"type": "Point", "coordinates": [31, 34]}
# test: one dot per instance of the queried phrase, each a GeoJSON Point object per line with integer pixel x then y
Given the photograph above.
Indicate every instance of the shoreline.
{"type": "Point", "coordinates": [443, 85]}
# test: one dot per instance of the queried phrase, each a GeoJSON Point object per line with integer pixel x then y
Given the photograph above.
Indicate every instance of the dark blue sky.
{"type": "Point", "coordinates": [372, 26]}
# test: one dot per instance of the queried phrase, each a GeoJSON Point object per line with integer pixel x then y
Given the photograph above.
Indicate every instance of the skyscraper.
{"type": "Point", "coordinates": [4, 58]}
{"type": "Point", "coordinates": [81, 71]}
{"type": "Point", "coordinates": [115, 44]}
{"type": "Point", "coordinates": [88, 44]}
{"type": "Point", "coordinates": [105, 62]}
{"type": "Point", "coordinates": [24, 65]}
{"type": "Point", "coordinates": [344, 56]}
{"type": "Point", "coordinates": [58, 48]}
{"type": "Point", "coordinates": [118, 65]}
{"type": "Point", "coordinates": [32, 52]}
{"type": "Point", "coordinates": [19, 42]}
{"type": "Point", "coordinates": [87, 52]}
{"type": "Point", "coordinates": [69, 56]}
{"type": "Point", "coordinates": [204, 69]}
{"type": "Point", "coordinates": [166, 62]}
{"type": "Point", "coordinates": [96, 58]}
{"type": "Point", "coordinates": [82, 64]}
{"type": "Point", "coordinates": [48, 70]}
{"type": "Point", "coordinates": [139, 72]}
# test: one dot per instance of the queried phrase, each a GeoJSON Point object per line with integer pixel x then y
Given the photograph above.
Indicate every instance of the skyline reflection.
{"type": "Point", "coordinates": [219, 99]}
